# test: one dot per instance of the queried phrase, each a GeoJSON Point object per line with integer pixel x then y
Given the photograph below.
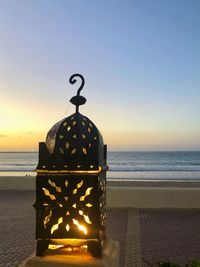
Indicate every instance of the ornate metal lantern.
{"type": "Point", "coordinates": [71, 184]}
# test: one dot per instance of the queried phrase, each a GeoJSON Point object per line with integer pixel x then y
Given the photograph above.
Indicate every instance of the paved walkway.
{"type": "Point", "coordinates": [144, 234]}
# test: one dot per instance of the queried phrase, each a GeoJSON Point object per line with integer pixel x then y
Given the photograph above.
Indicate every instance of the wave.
{"type": "Point", "coordinates": [153, 168]}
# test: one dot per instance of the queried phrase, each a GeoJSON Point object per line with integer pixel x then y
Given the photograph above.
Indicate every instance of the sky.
{"type": "Point", "coordinates": [140, 60]}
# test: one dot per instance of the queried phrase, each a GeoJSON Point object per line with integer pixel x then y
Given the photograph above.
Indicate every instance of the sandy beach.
{"type": "Point", "coordinates": [134, 194]}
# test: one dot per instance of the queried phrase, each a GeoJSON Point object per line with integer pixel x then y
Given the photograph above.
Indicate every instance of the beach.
{"type": "Point", "coordinates": [134, 194]}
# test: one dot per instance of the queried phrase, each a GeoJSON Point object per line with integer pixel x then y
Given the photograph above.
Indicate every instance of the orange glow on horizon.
{"type": "Point", "coordinates": [28, 141]}
{"type": "Point", "coordinates": [21, 141]}
{"type": "Point", "coordinates": [23, 129]}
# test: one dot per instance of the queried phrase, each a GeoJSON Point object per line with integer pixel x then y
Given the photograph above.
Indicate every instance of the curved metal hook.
{"type": "Point", "coordinates": [73, 80]}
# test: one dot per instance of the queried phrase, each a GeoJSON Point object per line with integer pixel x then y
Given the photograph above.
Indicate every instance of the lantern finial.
{"type": "Point", "coordinates": [77, 100]}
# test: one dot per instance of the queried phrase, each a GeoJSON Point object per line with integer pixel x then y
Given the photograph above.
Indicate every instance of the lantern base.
{"type": "Point", "coordinates": [110, 258]}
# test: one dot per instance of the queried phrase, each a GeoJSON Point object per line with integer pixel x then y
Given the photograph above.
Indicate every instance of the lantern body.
{"type": "Point", "coordinates": [71, 186]}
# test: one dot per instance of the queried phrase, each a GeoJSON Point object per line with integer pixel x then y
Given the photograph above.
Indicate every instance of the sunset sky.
{"type": "Point", "coordinates": [140, 60]}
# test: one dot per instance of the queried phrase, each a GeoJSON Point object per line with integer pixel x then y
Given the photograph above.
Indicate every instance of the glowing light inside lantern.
{"type": "Point", "coordinates": [80, 226]}
{"type": "Point", "coordinates": [51, 246]}
{"type": "Point", "coordinates": [67, 227]}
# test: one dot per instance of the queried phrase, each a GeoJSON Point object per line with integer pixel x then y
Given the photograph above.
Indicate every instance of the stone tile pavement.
{"type": "Point", "coordinates": [143, 234]}
{"type": "Point", "coordinates": [16, 227]}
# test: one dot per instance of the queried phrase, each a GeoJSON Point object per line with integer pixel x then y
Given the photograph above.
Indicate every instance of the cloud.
{"type": "Point", "coordinates": [3, 135]}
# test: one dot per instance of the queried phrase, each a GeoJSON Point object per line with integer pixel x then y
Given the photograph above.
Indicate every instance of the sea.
{"type": "Point", "coordinates": [123, 165]}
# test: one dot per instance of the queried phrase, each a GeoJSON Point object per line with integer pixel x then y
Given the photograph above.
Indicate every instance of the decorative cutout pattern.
{"type": "Point", "coordinates": [55, 226]}
{"type": "Point", "coordinates": [87, 219]}
{"type": "Point", "coordinates": [80, 207]}
{"type": "Point", "coordinates": [47, 218]}
{"type": "Point", "coordinates": [84, 151]}
{"type": "Point", "coordinates": [58, 189]}
{"type": "Point", "coordinates": [67, 145]}
{"type": "Point", "coordinates": [88, 205]}
{"type": "Point", "coordinates": [74, 191]}
{"type": "Point", "coordinates": [87, 193]}
{"type": "Point", "coordinates": [67, 227]}
{"type": "Point", "coordinates": [73, 151]}
{"type": "Point", "coordinates": [47, 193]}
{"type": "Point", "coordinates": [75, 137]}
{"type": "Point", "coordinates": [80, 212]}
{"type": "Point", "coordinates": [80, 184]}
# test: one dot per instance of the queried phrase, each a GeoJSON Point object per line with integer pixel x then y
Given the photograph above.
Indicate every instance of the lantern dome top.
{"type": "Point", "coordinates": [75, 142]}
{"type": "Point", "coordinates": [72, 137]}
